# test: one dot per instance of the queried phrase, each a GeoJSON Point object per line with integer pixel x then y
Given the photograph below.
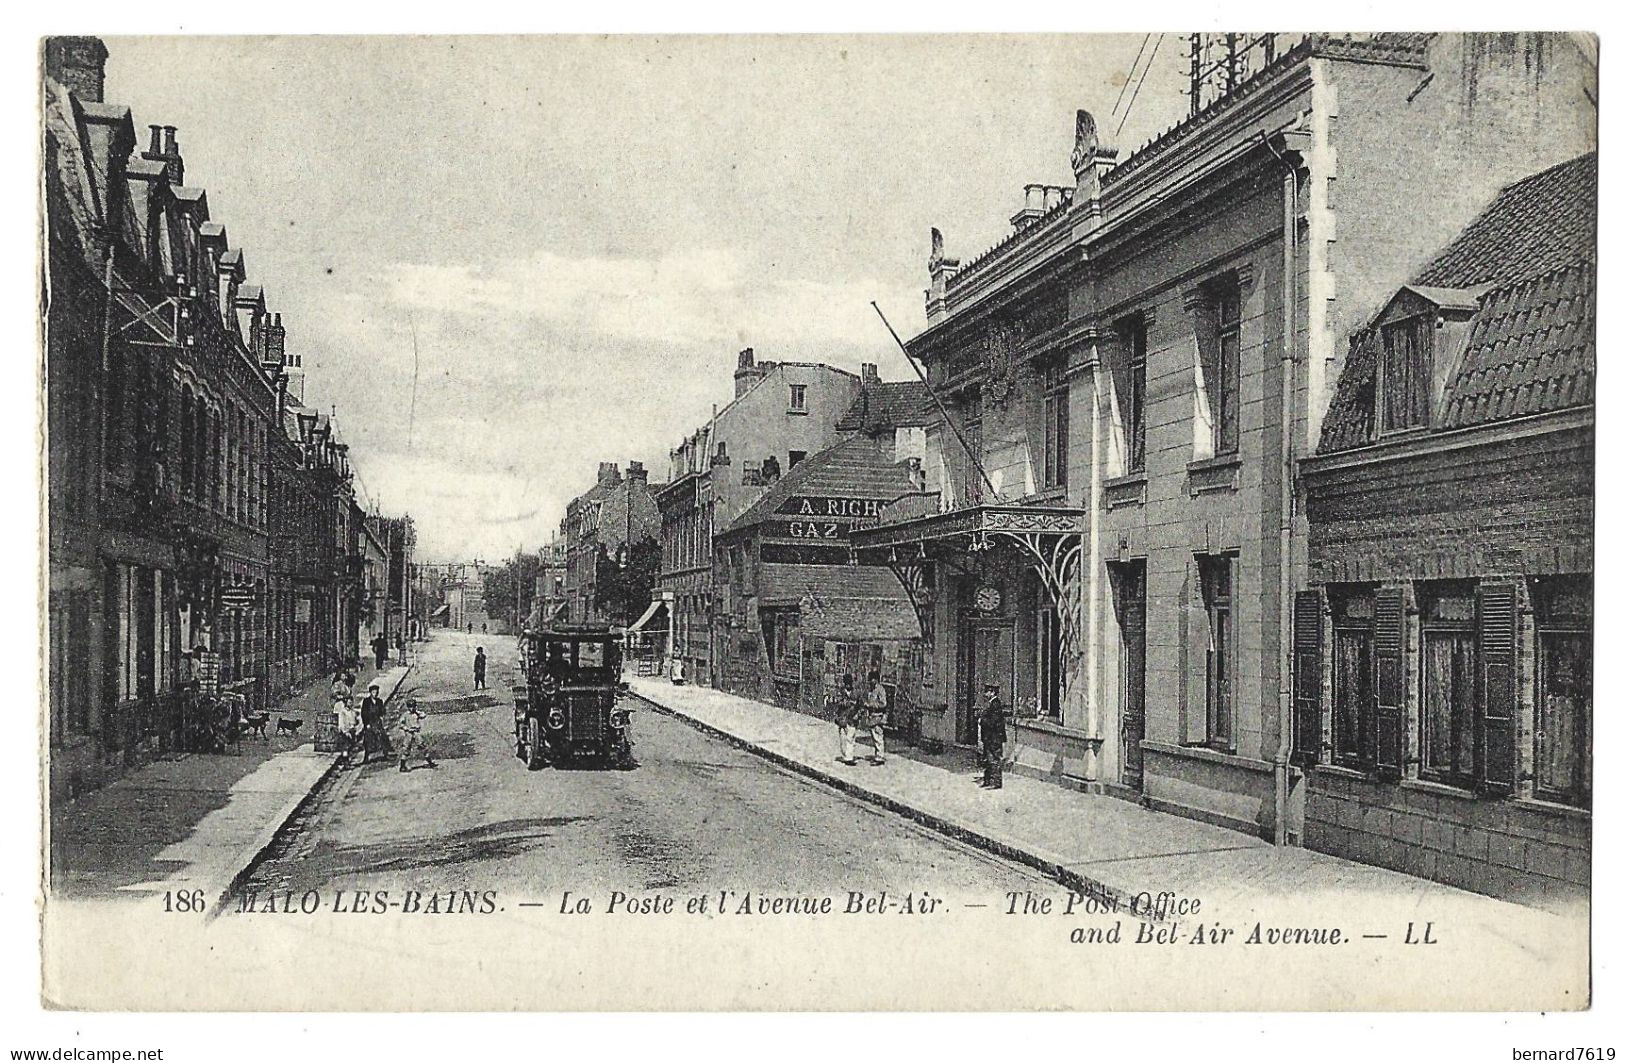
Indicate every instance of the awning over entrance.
{"type": "Point", "coordinates": [965, 523]}
{"type": "Point", "coordinates": [858, 619]}
{"type": "Point", "coordinates": [655, 612]}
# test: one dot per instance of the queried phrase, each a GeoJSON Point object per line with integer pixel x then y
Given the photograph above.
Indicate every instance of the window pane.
{"type": "Point", "coordinates": [1564, 711]}
{"type": "Point", "coordinates": [1351, 691]}
{"type": "Point", "coordinates": [1448, 703]}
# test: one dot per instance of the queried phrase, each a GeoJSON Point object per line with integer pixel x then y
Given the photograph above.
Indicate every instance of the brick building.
{"type": "Point", "coordinates": [781, 412]}
{"type": "Point", "coordinates": [601, 525]}
{"type": "Point", "coordinates": [182, 517]}
{"type": "Point", "coordinates": [1444, 651]}
{"type": "Point", "coordinates": [790, 601]}
{"type": "Point", "coordinates": [1112, 525]}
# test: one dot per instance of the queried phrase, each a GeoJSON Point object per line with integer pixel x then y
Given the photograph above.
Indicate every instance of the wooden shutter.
{"type": "Point", "coordinates": [1387, 729]}
{"type": "Point", "coordinates": [1498, 657]}
{"type": "Point", "coordinates": [1306, 679]}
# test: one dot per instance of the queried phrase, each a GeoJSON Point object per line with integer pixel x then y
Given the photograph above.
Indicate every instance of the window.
{"type": "Point", "coordinates": [1055, 423]}
{"type": "Point", "coordinates": [798, 398]}
{"type": "Point", "coordinates": [1563, 690]}
{"type": "Point", "coordinates": [1131, 392]}
{"type": "Point", "coordinates": [1227, 350]}
{"type": "Point", "coordinates": [1049, 662]}
{"type": "Point", "coordinates": [797, 457]}
{"type": "Point", "coordinates": [1353, 670]}
{"type": "Point", "coordinates": [971, 414]}
{"type": "Point", "coordinates": [1449, 683]}
{"type": "Point", "coordinates": [1406, 377]}
{"type": "Point", "coordinates": [1217, 575]}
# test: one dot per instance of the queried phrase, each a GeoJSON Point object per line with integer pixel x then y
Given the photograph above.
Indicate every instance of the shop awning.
{"type": "Point", "coordinates": [859, 619]}
{"type": "Point", "coordinates": [440, 612]}
{"type": "Point", "coordinates": [963, 523]}
{"type": "Point", "coordinates": [658, 606]}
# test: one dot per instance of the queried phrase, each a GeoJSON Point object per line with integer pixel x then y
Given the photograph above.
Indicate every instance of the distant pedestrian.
{"type": "Point", "coordinates": [412, 740]}
{"type": "Point", "coordinates": [479, 668]}
{"type": "Point", "coordinates": [992, 728]}
{"type": "Point", "coordinates": [845, 708]}
{"type": "Point", "coordinates": [347, 719]}
{"type": "Point", "coordinates": [471, 627]}
{"type": "Point", "coordinates": [380, 651]}
{"type": "Point", "coordinates": [400, 649]}
{"type": "Point", "coordinates": [373, 737]}
{"type": "Point", "coordinates": [874, 704]}
{"type": "Point", "coordinates": [482, 629]}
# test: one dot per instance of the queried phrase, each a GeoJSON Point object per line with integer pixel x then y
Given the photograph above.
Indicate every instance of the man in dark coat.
{"type": "Point", "coordinates": [380, 650]}
{"type": "Point", "coordinates": [479, 668]}
{"type": "Point", "coordinates": [991, 726]}
{"type": "Point", "coordinates": [373, 737]}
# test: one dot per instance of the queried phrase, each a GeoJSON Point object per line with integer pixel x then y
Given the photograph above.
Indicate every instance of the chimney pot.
{"type": "Point", "coordinates": [156, 146]}
{"type": "Point", "coordinates": [169, 140]}
{"type": "Point", "coordinates": [747, 358]}
{"type": "Point", "coordinates": [871, 373]}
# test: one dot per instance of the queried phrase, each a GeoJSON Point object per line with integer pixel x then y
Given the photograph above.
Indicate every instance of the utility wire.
{"type": "Point", "coordinates": [1131, 68]}
{"type": "Point", "coordinates": [1144, 74]}
{"type": "Point", "coordinates": [412, 413]}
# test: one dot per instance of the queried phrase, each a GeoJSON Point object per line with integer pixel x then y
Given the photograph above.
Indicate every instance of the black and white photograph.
{"type": "Point", "coordinates": [817, 522]}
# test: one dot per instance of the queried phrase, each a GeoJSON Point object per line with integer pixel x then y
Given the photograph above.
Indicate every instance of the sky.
{"type": "Point", "coordinates": [580, 233]}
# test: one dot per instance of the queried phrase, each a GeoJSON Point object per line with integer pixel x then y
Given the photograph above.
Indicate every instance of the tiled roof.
{"type": "Point", "coordinates": [1541, 224]}
{"type": "Point", "coordinates": [852, 618]}
{"type": "Point", "coordinates": [786, 584]}
{"type": "Point", "coordinates": [898, 404]}
{"type": "Point", "coordinates": [1532, 344]}
{"type": "Point", "coordinates": [856, 467]}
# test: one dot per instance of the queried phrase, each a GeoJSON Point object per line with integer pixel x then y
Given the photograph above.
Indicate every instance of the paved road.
{"type": "Point", "coordinates": [697, 814]}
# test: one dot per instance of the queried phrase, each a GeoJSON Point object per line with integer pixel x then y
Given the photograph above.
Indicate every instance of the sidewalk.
{"type": "Point", "coordinates": [195, 821]}
{"type": "Point", "coordinates": [1093, 844]}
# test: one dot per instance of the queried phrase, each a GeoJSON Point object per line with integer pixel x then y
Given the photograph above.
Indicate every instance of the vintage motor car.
{"type": "Point", "coordinates": [567, 709]}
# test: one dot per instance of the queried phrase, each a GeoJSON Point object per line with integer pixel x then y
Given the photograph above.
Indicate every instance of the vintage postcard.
{"type": "Point", "coordinates": [816, 523]}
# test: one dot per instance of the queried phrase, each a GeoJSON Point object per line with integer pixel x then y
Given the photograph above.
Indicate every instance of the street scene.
{"type": "Point", "coordinates": [753, 517]}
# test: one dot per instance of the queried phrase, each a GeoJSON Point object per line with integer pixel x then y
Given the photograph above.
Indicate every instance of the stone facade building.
{"type": "Point", "coordinates": [781, 412]}
{"type": "Point", "coordinates": [1112, 530]}
{"type": "Point", "coordinates": [1444, 650]}
{"type": "Point", "coordinates": [603, 523]}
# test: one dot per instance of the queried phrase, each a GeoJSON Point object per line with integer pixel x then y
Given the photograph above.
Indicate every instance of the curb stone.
{"type": "Point", "coordinates": [1032, 857]}
{"type": "Point", "coordinates": [249, 857]}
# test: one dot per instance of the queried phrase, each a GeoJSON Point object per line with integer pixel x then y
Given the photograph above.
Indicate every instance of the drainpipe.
{"type": "Point", "coordinates": [1093, 760]}
{"type": "Point", "coordinates": [1293, 144]}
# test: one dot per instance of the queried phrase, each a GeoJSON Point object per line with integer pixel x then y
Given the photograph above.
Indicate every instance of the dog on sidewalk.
{"type": "Point", "coordinates": [285, 726]}
{"type": "Point", "coordinates": [256, 722]}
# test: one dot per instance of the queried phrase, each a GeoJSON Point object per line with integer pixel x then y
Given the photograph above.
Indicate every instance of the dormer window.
{"type": "Point", "coordinates": [1405, 379]}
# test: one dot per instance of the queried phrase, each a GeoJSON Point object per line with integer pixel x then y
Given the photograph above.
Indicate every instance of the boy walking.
{"type": "Point", "coordinates": [479, 668]}
{"type": "Point", "coordinates": [412, 734]}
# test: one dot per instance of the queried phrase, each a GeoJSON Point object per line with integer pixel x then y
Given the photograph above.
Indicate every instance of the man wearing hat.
{"type": "Point", "coordinates": [991, 720]}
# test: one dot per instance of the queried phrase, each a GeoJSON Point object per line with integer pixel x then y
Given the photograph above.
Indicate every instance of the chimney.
{"type": "Point", "coordinates": [942, 269]}
{"type": "Point", "coordinates": [636, 473]}
{"type": "Point", "coordinates": [871, 373]}
{"type": "Point", "coordinates": [1032, 207]}
{"type": "Point", "coordinates": [276, 340]}
{"type": "Point", "coordinates": [79, 63]}
{"type": "Point", "coordinates": [609, 473]}
{"type": "Point", "coordinates": [748, 373]}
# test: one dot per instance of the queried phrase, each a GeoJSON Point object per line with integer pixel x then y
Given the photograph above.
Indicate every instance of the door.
{"type": "Point", "coordinates": [1130, 587]}
{"type": "Point", "coordinates": [989, 658]}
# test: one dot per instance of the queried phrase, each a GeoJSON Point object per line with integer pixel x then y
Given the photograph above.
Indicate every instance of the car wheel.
{"type": "Point", "coordinates": [533, 744]}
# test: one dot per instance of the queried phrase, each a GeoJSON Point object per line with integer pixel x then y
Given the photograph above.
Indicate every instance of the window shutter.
{"type": "Point", "coordinates": [1498, 657]}
{"type": "Point", "coordinates": [1306, 677]}
{"type": "Point", "coordinates": [1387, 729]}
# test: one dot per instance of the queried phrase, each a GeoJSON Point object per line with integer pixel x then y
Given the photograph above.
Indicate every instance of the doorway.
{"type": "Point", "coordinates": [1128, 588]}
{"type": "Point", "coordinates": [987, 655]}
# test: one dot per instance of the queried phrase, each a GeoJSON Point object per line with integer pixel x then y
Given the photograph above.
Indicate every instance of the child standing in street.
{"type": "Point", "coordinates": [412, 740]}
